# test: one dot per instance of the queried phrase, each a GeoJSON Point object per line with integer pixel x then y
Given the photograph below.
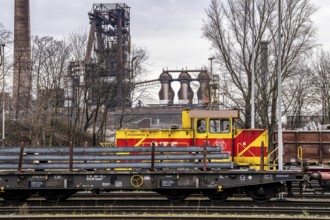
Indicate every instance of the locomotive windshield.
{"type": "Point", "coordinates": [219, 125]}
{"type": "Point", "coordinates": [201, 126]}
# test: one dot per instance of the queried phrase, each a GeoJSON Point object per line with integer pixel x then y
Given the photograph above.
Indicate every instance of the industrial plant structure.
{"type": "Point", "coordinates": [104, 77]}
{"type": "Point", "coordinates": [106, 67]}
{"type": "Point", "coordinates": [185, 93]}
{"type": "Point", "coordinates": [22, 57]}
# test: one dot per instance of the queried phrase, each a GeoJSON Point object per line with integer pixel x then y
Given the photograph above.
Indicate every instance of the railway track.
{"type": "Point", "coordinates": [242, 207]}
{"type": "Point", "coordinates": [153, 217]}
{"type": "Point", "coordinates": [137, 205]}
{"type": "Point", "coordinates": [122, 195]}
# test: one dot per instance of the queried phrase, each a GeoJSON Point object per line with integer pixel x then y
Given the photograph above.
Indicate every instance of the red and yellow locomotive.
{"type": "Point", "coordinates": [206, 127]}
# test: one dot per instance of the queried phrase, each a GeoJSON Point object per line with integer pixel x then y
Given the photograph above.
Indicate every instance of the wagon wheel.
{"type": "Point", "coordinates": [56, 195]}
{"type": "Point", "coordinates": [262, 193]}
{"type": "Point", "coordinates": [16, 195]}
{"type": "Point", "coordinates": [218, 196]}
{"type": "Point", "coordinates": [175, 195]}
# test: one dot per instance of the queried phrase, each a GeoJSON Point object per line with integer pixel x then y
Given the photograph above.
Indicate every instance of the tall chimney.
{"type": "Point", "coordinates": [22, 57]}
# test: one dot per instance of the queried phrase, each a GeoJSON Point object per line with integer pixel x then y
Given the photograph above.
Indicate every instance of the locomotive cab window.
{"type": "Point", "coordinates": [219, 125]}
{"type": "Point", "coordinates": [201, 125]}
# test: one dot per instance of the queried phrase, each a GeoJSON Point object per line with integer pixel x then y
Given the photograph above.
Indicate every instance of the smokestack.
{"type": "Point", "coordinates": [22, 56]}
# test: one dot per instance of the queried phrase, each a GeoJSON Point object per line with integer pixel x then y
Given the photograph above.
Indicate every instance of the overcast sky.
{"type": "Point", "coordinates": [169, 29]}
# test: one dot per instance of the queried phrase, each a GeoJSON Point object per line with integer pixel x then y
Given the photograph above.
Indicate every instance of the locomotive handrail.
{"type": "Point", "coordinates": [271, 153]}
{"type": "Point", "coordinates": [299, 153]}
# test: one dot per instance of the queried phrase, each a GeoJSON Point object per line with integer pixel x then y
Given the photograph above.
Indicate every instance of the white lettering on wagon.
{"type": "Point", "coordinates": [118, 184]}
{"type": "Point", "coordinates": [146, 178]}
{"type": "Point", "coordinates": [268, 177]}
{"type": "Point", "coordinates": [106, 184]}
{"type": "Point", "coordinates": [95, 177]}
{"type": "Point", "coordinates": [38, 177]}
{"type": "Point", "coordinates": [282, 175]}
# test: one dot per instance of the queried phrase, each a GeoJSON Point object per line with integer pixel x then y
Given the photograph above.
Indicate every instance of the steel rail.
{"type": "Point", "coordinates": [117, 157]}
{"type": "Point", "coordinates": [157, 165]}
{"type": "Point", "coordinates": [108, 149]}
{"type": "Point", "coordinates": [233, 209]}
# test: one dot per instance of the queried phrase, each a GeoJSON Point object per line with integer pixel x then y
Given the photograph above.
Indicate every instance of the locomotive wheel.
{"type": "Point", "coordinates": [16, 195]}
{"type": "Point", "coordinates": [215, 195]}
{"type": "Point", "coordinates": [262, 193]}
{"type": "Point", "coordinates": [56, 195]}
{"type": "Point", "coordinates": [175, 195]}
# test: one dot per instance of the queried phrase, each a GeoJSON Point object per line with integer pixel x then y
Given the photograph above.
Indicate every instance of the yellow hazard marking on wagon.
{"type": "Point", "coordinates": [107, 144]}
{"type": "Point", "coordinates": [139, 143]}
{"type": "Point", "coordinates": [136, 181]}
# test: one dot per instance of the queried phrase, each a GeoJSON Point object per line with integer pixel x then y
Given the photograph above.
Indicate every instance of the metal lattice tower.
{"type": "Point", "coordinates": [108, 53]}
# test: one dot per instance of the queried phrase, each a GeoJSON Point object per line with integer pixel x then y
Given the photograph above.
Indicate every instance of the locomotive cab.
{"type": "Point", "coordinates": [217, 128]}
{"type": "Point", "coordinates": [211, 127]}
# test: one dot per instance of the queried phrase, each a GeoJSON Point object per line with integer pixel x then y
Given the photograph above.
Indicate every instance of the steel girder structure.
{"type": "Point", "coordinates": [108, 70]}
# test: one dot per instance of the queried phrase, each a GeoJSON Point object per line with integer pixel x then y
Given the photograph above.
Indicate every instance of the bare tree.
{"type": "Point", "coordinates": [297, 97]}
{"type": "Point", "coordinates": [229, 28]}
{"type": "Point", "coordinates": [50, 60]}
{"type": "Point", "coordinates": [321, 82]}
{"type": "Point", "coordinates": [5, 67]}
{"type": "Point", "coordinates": [75, 88]}
{"type": "Point", "coordinates": [98, 116]}
{"type": "Point", "coordinates": [78, 41]}
{"type": "Point", "coordinates": [139, 74]}
{"type": "Point", "coordinates": [140, 88]}
{"type": "Point", "coordinates": [94, 93]}
{"type": "Point", "coordinates": [5, 35]}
